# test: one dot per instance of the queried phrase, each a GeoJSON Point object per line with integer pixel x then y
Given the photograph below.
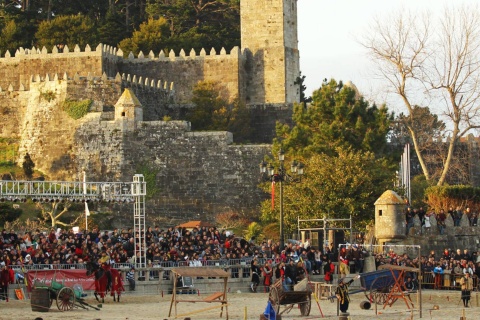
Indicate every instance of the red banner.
{"type": "Point", "coordinates": [67, 277]}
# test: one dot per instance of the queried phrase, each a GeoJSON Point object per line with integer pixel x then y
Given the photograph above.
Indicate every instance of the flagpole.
{"type": "Point", "coordinates": [86, 205]}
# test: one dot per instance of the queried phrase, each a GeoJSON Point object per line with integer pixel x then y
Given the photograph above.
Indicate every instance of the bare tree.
{"type": "Point", "coordinates": [51, 211]}
{"type": "Point", "coordinates": [435, 62]}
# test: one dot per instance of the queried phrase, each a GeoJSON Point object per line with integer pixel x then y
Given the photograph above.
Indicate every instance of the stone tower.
{"type": "Point", "coordinates": [128, 109]}
{"type": "Point", "coordinates": [389, 217]}
{"type": "Point", "coordinates": [269, 34]}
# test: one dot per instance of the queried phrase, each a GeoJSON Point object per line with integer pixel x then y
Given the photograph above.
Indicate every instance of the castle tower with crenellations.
{"type": "Point", "coordinates": [269, 34]}
{"type": "Point", "coordinates": [138, 107]}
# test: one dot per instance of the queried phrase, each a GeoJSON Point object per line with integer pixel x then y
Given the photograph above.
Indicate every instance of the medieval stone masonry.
{"type": "Point", "coordinates": [197, 173]}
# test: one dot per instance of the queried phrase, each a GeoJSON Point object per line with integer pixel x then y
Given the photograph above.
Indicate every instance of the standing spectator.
{"type": "Point", "coordinates": [255, 275]}
{"type": "Point", "coordinates": [451, 213]}
{"type": "Point", "coordinates": [446, 254]}
{"type": "Point", "coordinates": [466, 284]}
{"type": "Point", "coordinates": [342, 293]}
{"type": "Point", "coordinates": [457, 217]}
{"type": "Point", "coordinates": [409, 214]}
{"type": "Point", "coordinates": [318, 260]}
{"type": "Point", "coordinates": [474, 219]}
{"type": "Point", "coordinates": [281, 269]}
{"type": "Point", "coordinates": [344, 263]}
{"type": "Point", "coordinates": [357, 256]}
{"type": "Point", "coordinates": [421, 215]}
{"type": "Point", "coordinates": [311, 259]}
{"type": "Point", "coordinates": [131, 278]}
{"type": "Point", "coordinates": [329, 270]}
{"type": "Point", "coordinates": [441, 221]}
{"type": "Point", "coordinates": [466, 255]}
{"type": "Point", "coordinates": [267, 275]}
{"type": "Point", "coordinates": [438, 272]}
{"type": "Point", "coordinates": [4, 281]}
{"type": "Point", "coordinates": [290, 273]}
{"type": "Point", "coordinates": [426, 222]}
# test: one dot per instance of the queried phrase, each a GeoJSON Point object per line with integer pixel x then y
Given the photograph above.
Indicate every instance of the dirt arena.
{"type": "Point", "coordinates": [246, 306]}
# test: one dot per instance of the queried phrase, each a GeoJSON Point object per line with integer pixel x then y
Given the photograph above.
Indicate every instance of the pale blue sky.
{"type": "Point", "coordinates": [328, 29]}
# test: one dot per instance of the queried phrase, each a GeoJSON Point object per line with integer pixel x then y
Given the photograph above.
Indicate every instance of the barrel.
{"type": "Point", "coordinates": [365, 305]}
{"type": "Point", "coordinates": [40, 300]}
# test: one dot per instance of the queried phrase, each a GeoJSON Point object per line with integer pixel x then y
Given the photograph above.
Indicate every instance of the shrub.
{"type": "Point", "coordinates": [77, 109]}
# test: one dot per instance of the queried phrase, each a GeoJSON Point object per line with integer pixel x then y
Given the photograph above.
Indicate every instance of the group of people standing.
{"type": "Point", "coordinates": [440, 217]}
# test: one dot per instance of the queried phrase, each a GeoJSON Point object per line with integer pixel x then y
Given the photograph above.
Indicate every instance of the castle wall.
{"type": "Point", "coordinates": [46, 131]}
{"type": "Point", "coordinates": [17, 70]}
{"type": "Point", "coordinates": [198, 173]}
{"type": "Point", "coordinates": [185, 71]}
{"type": "Point", "coordinates": [12, 109]}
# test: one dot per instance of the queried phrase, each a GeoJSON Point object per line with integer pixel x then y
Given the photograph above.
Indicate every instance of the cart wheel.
{"type": "Point", "coordinates": [65, 299]}
{"type": "Point", "coordinates": [275, 299]}
{"type": "Point", "coordinates": [306, 306]}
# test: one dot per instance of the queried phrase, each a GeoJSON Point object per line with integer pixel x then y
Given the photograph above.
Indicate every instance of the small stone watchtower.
{"type": "Point", "coordinates": [389, 218]}
{"type": "Point", "coordinates": [128, 109]}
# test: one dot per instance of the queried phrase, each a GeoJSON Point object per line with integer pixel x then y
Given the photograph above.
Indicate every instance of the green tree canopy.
{"type": "Point", "coordinates": [199, 24]}
{"type": "Point", "coordinates": [151, 36]}
{"type": "Point", "coordinates": [337, 117]}
{"type": "Point", "coordinates": [67, 30]}
{"type": "Point", "coordinates": [112, 30]}
{"type": "Point", "coordinates": [342, 141]}
{"type": "Point", "coordinates": [213, 111]}
{"type": "Point", "coordinates": [334, 186]}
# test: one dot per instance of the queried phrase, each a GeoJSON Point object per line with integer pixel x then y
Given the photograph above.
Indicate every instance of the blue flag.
{"type": "Point", "coordinates": [270, 312]}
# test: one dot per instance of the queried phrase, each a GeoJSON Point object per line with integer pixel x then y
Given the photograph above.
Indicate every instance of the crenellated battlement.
{"type": "Point", "coordinates": [35, 53]}
{"type": "Point", "coordinates": [172, 56]}
{"type": "Point", "coordinates": [113, 52]}
{"type": "Point", "coordinates": [126, 80]}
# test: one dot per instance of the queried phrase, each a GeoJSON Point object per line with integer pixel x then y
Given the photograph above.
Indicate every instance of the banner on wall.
{"type": "Point", "coordinates": [67, 277]}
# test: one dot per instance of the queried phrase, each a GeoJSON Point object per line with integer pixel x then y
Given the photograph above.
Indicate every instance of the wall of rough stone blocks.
{"type": "Point", "coordinates": [185, 71]}
{"type": "Point", "coordinates": [198, 173]}
{"type": "Point", "coordinates": [269, 33]}
{"type": "Point", "coordinates": [18, 69]}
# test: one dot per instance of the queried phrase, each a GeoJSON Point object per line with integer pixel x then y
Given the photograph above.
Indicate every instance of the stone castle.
{"type": "Point", "coordinates": [197, 174]}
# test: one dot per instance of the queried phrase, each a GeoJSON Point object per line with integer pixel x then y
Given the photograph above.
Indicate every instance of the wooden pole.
{"type": "Point", "coordinates": [174, 298]}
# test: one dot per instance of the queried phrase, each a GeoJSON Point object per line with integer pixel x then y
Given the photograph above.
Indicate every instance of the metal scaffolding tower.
{"type": "Point", "coordinates": [83, 191]}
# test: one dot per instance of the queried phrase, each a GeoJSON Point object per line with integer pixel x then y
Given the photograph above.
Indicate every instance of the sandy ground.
{"type": "Point", "coordinates": [246, 306]}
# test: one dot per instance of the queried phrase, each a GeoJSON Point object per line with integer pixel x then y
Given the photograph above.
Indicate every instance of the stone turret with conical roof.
{"type": "Point", "coordinates": [128, 109]}
{"type": "Point", "coordinates": [389, 218]}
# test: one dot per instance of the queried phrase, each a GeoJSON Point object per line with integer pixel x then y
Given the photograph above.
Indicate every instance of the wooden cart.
{"type": "Point", "coordinates": [66, 298]}
{"type": "Point", "coordinates": [279, 297]}
{"type": "Point", "coordinates": [386, 285]}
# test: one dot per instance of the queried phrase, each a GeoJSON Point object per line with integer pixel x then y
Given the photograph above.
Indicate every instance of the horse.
{"type": "Point", "coordinates": [106, 279]}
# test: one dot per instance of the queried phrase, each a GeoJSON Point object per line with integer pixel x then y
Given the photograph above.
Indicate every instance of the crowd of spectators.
{"type": "Point", "coordinates": [179, 246]}
{"type": "Point", "coordinates": [445, 268]}
{"type": "Point", "coordinates": [172, 246]}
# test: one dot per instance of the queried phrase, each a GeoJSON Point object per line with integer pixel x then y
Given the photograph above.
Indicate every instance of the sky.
{"type": "Point", "coordinates": [328, 31]}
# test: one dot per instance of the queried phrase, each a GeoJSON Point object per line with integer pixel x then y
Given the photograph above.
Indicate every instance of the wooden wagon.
{"type": "Point", "coordinates": [66, 298]}
{"type": "Point", "coordinates": [279, 297]}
